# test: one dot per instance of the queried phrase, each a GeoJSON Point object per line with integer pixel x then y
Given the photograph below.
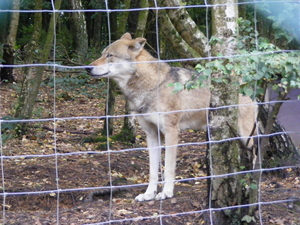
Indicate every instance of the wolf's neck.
{"type": "Point", "coordinates": [150, 73]}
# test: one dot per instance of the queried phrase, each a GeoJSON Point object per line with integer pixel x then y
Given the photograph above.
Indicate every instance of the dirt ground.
{"type": "Point", "coordinates": [60, 178]}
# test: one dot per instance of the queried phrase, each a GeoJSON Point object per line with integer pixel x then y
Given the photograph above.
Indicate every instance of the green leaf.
{"type": "Point", "coordinates": [199, 68]}
{"type": "Point", "coordinates": [178, 87]}
{"type": "Point", "coordinates": [253, 186]}
{"type": "Point", "coordinates": [229, 66]}
{"type": "Point", "coordinates": [243, 181]}
{"type": "Point", "coordinates": [248, 91]}
{"type": "Point", "coordinates": [190, 85]}
{"type": "Point", "coordinates": [248, 219]}
{"type": "Point", "coordinates": [207, 72]}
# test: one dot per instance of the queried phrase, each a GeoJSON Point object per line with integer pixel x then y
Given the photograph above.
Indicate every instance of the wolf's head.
{"type": "Point", "coordinates": [118, 59]}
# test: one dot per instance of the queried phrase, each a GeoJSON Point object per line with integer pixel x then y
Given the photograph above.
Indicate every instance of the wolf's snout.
{"type": "Point", "coordinates": [88, 69]}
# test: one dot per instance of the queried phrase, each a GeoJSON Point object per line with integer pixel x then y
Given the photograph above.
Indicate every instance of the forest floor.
{"type": "Point", "coordinates": [40, 162]}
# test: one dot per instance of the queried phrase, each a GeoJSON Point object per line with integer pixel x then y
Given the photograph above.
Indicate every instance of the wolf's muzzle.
{"type": "Point", "coordinates": [89, 69]}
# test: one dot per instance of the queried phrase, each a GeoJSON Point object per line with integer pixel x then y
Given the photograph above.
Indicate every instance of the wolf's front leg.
{"type": "Point", "coordinates": [154, 159]}
{"type": "Point", "coordinates": [171, 137]}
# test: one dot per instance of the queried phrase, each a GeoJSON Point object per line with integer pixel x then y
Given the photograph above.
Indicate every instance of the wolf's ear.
{"type": "Point", "coordinates": [126, 36]}
{"type": "Point", "coordinates": [137, 44]}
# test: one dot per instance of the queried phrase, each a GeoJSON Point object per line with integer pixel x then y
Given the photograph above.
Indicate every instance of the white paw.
{"type": "Point", "coordinates": [163, 195]}
{"type": "Point", "coordinates": [145, 197]}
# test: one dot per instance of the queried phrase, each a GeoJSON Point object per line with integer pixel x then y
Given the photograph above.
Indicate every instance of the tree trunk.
{"type": "Point", "coordinates": [224, 157]}
{"type": "Point", "coordinates": [4, 17]}
{"type": "Point", "coordinates": [22, 109]}
{"type": "Point", "coordinates": [98, 40]}
{"type": "Point", "coordinates": [32, 83]}
{"type": "Point", "coordinates": [8, 60]}
{"type": "Point", "coordinates": [80, 32]}
{"type": "Point", "coordinates": [142, 20]}
{"type": "Point", "coordinates": [127, 133]}
{"type": "Point", "coordinates": [117, 29]}
{"type": "Point", "coordinates": [186, 27]}
{"type": "Point", "coordinates": [128, 130]}
{"type": "Point", "coordinates": [108, 127]}
{"type": "Point", "coordinates": [179, 44]}
{"type": "Point", "coordinates": [123, 19]}
{"type": "Point", "coordinates": [9, 46]}
{"type": "Point", "coordinates": [112, 86]}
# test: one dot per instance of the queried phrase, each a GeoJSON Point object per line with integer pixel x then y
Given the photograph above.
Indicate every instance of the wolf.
{"type": "Point", "coordinates": [144, 80]}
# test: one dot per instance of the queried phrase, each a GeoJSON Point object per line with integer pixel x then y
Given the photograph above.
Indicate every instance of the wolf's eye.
{"type": "Point", "coordinates": [108, 55]}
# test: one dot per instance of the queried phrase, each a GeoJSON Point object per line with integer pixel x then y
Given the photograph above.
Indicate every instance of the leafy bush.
{"type": "Point", "coordinates": [258, 64]}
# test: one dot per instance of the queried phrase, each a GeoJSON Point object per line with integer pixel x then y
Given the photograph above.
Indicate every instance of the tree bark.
{"type": "Point", "coordinates": [142, 20]}
{"type": "Point", "coordinates": [4, 17]}
{"type": "Point", "coordinates": [224, 157]}
{"type": "Point", "coordinates": [186, 27]}
{"type": "Point", "coordinates": [80, 32]}
{"type": "Point", "coordinates": [30, 54]}
{"type": "Point", "coordinates": [178, 43]}
{"type": "Point", "coordinates": [32, 83]}
{"type": "Point", "coordinates": [128, 130]}
{"type": "Point", "coordinates": [9, 46]}
{"type": "Point", "coordinates": [112, 86]}
{"type": "Point", "coordinates": [123, 19]}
